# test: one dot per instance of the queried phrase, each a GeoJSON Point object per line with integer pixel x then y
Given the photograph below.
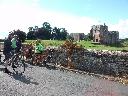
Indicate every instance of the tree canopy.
{"type": "Point", "coordinates": [20, 34]}
{"type": "Point", "coordinates": [46, 32]}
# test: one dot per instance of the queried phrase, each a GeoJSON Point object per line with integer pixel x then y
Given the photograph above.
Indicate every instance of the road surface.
{"type": "Point", "coordinates": [42, 81]}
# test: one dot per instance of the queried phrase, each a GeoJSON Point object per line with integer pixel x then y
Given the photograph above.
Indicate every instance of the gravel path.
{"type": "Point", "coordinates": [42, 81]}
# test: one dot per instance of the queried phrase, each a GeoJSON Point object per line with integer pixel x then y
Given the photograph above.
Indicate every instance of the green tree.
{"type": "Point", "coordinates": [46, 32]}
{"type": "Point", "coordinates": [56, 33]}
{"type": "Point", "coordinates": [31, 34]}
{"type": "Point", "coordinates": [63, 33]}
{"type": "Point", "coordinates": [31, 29]}
{"type": "Point", "coordinates": [20, 34]}
{"type": "Point", "coordinates": [47, 29]}
{"type": "Point", "coordinates": [36, 28]}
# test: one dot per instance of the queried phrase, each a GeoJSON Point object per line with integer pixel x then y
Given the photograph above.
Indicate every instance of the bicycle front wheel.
{"type": "Point", "coordinates": [18, 64]}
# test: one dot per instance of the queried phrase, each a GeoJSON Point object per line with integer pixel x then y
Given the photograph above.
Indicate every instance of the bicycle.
{"type": "Point", "coordinates": [17, 62]}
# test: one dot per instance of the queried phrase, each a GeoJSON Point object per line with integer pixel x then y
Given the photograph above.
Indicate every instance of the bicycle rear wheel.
{"type": "Point", "coordinates": [18, 64]}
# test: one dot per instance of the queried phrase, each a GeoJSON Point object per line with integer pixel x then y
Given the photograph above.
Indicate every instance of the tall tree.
{"type": "Point", "coordinates": [56, 32]}
{"type": "Point", "coordinates": [31, 34]}
{"type": "Point", "coordinates": [63, 33]}
{"type": "Point", "coordinates": [36, 28]}
{"type": "Point", "coordinates": [47, 30]}
{"type": "Point", "coordinates": [20, 34]}
{"type": "Point", "coordinates": [47, 26]}
{"type": "Point", "coordinates": [30, 29]}
{"type": "Point", "coordinates": [41, 34]}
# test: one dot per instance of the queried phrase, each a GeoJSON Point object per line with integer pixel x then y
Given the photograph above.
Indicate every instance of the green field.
{"type": "Point", "coordinates": [85, 44]}
{"type": "Point", "coordinates": [47, 42]}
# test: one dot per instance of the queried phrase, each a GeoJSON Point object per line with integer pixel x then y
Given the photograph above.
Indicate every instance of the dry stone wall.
{"type": "Point", "coordinates": [98, 62]}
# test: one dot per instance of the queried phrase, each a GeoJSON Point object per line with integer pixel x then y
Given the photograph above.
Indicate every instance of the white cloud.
{"type": "Point", "coordinates": [122, 27]}
{"type": "Point", "coordinates": [21, 15]}
{"type": "Point", "coordinates": [17, 15]}
{"type": "Point", "coordinates": [71, 23]}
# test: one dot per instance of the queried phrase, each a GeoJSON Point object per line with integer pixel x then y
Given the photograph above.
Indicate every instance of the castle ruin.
{"type": "Point", "coordinates": [100, 34]}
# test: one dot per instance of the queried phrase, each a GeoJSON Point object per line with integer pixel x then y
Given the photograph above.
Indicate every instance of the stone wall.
{"type": "Point", "coordinates": [98, 62]}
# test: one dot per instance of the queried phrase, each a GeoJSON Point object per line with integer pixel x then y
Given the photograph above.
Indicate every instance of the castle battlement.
{"type": "Point", "coordinates": [101, 34]}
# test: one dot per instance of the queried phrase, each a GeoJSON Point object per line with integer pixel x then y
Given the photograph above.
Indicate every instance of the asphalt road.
{"type": "Point", "coordinates": [42, 81]}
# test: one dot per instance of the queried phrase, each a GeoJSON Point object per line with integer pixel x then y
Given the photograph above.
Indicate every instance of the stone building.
{"type": "Point", "coordinates": [100, 34]}
{"type": "Point", "coordinates": [77, 36]}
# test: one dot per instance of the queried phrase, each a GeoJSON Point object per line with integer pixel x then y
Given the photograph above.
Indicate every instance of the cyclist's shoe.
{"type": "Point", "coordinates": [13, 66]}
{"type": "Point", "coordinates": [6, 71]}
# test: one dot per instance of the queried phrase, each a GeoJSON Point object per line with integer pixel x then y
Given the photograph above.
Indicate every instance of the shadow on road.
{"type": "Point", "coordinates": [23, 79]}
{"type": "Point", "coordinates": [1, 69]}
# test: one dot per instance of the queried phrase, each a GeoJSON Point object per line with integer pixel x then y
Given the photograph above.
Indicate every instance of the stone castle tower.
{"type": "Point", "coordinates": [101, 35]}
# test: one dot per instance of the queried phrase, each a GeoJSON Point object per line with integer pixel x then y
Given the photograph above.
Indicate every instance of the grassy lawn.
{"type": "Point", "coordinates": [85, 44]}
{"type": "Point", "coordinates": [89, 45]}
{"type": "Point", "coordinates": [47, 42]}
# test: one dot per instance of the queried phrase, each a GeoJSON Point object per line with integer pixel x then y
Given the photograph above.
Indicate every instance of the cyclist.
{"type": "Point", "coordinates": [39, 48]}
{"type": "Point", "coordinates": [11, 45]}
{"type": "Point", "coordinates": [16, 44]}
{"type": "Point", "coordinates": [7, 51]}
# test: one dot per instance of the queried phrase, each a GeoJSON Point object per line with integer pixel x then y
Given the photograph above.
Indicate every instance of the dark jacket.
{"type": "Point", "coordinates": [7, 46]}
{"type": "Point", "coordinates": [19, 45]}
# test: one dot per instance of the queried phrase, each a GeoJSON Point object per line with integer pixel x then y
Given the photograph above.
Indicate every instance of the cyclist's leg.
{"type": "Point", "coordinates": [34, 59]}
{"type": "Point", "coordinates": [7, 57]}
{"type": "Point", "coordinates": [18, 64]}
{"type": "Point", "coordinates": [38, 58]}
{"type": "Point", "coordinates": [0, 57]}
{"type": "Point", "coordinates": [41, 57]}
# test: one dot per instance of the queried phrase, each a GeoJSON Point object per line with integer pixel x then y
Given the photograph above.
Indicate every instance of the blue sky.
{"type": "Point", "coordinates": [107, 10]}
{"type": "Point", "coordinates": [74, 15]}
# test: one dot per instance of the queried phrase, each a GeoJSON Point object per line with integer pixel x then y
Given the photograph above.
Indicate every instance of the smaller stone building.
{"type": "Point", "coordinates": [77, 36]}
